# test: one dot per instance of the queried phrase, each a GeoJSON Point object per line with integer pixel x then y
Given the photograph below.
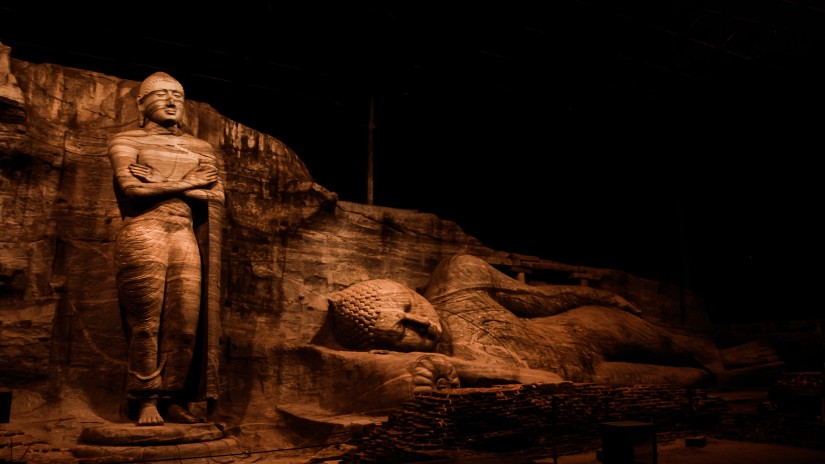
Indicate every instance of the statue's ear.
{"type": "Point", "coordinates": [183, 122]}
{"type": "Point", "coordinates": [331, 302]}
{"type": "Point", "coordinates": [141, 114]}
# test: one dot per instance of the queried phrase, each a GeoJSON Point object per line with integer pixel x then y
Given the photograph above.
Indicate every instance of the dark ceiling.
{"type": "Point", "coordinates": [673, 139]}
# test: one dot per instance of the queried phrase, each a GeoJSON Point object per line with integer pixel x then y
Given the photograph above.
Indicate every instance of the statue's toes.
{"type": "Point", "coordinates": [181, 415]}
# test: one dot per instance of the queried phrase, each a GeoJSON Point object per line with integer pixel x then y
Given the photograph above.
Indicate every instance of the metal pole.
{"type": "Point", "coordinates": [554, 407]}
{"type": "Point", "coordinates": [684, 248]}
{"type": "Point", "coordinates": [370, 149]}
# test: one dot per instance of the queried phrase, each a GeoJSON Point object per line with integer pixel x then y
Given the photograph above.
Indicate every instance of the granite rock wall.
{"type": "Point", "coordinates": [288, 244]}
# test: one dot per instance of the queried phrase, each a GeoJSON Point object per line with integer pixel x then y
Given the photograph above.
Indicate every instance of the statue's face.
{"type": "Point", "coordinates": [407, 322]}
{"type": "Point", "coordinates": [164, 105]}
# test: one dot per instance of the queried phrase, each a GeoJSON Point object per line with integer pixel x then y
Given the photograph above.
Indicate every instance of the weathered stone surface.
{"type": "Point", "coordinates": [477, 313]}
{"type": "Point", "coordinates": [288, 245]}
{"type": "Point", "coordinates": [137, 435]}
{"type": "Point", "coordinates": [152, 453]}
{"type": "Point", "coordinates": [749, 354]}
{"type": "Point", "coordinates": [11, 98]}
{"type": "Point", "coordinates": [25, 341]}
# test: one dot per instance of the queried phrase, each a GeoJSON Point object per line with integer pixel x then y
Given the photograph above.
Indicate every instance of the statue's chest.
{"type": "Point", "coordinates": [172, 160]}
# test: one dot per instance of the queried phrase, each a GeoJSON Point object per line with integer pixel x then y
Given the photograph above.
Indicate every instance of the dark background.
{"type": "Point", "coordinates": [676, 140]}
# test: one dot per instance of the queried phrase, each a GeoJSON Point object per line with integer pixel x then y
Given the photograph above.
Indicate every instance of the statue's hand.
{"type": "Point", "coordinates": [201, 176]}
{"type": "Point", "coordinates": [146, 173]}
{"type": "Point", "coordinates": [204, 194]}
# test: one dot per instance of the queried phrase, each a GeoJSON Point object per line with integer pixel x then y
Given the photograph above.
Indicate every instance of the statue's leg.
{"type": "Point", "coordinates": [179, 325]}
{"type": "Point", "coordinates": [623, 373]}
{"type": "Point", "coordinates": [141, 282]}
{"type": "Point", "coordinates": [140, 279]}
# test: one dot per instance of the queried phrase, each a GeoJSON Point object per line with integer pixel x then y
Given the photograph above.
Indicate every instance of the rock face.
{"type": "Point", "coordinates": [288, 245]}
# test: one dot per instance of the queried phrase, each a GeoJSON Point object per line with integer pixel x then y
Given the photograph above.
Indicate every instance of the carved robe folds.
{"type": "Point", "coordinates": [168, 268]}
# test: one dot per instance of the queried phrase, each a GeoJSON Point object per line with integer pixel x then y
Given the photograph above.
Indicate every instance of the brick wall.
{"type": "Point", "coordinates": [523, 417]}
{"type": "Point", "coordinates": [798, 394]}
{"type": "Point", "coordinates": [772, 428]}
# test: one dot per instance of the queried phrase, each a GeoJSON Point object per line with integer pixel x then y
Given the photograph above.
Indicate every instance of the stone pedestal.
{"type": "Point", "coordinates": [168, 441]}
{"type": "Point", "coordinates": [137, 435]}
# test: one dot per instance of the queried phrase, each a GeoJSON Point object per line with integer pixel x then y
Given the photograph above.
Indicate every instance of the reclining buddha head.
{"type": "Point", "coordinates": [383, 314]}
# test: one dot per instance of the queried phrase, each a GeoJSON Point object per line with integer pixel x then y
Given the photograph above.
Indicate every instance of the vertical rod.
{"type": "Point", "coordinates": [370, 150]}
{"type": "Point", "coordinates": [554, 407]}
{"type": "Point", "coordinates": [684, 249]}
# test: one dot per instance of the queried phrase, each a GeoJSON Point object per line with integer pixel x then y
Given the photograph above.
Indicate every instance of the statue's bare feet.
{"type": "Point", "coordinates": [149, 414]}
{"type": "Point", "coordinates": [181, 415]}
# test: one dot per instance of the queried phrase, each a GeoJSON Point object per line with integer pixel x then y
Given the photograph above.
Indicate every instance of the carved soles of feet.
{"type": "Point", "coordinates": [433, 372]}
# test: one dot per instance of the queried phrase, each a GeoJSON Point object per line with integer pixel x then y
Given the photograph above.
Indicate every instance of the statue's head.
{"type": "Point", "coordinates": [385, 314]}
{"type": "Point", "coordinates": [160, 100]}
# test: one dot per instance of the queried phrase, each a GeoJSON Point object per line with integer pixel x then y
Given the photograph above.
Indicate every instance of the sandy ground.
{"type": "Point", "coordinates": [717, 452]}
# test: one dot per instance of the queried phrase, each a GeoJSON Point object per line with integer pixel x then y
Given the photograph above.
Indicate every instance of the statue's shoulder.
{"type": "Point", "coordinates": [127, 138]}
{"type": "Point", "coordinates": [129, 133]}
{"type": "Point", "coordinates": [201, 146]}
{"type": "Point", "coordinates": [192, 140]}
